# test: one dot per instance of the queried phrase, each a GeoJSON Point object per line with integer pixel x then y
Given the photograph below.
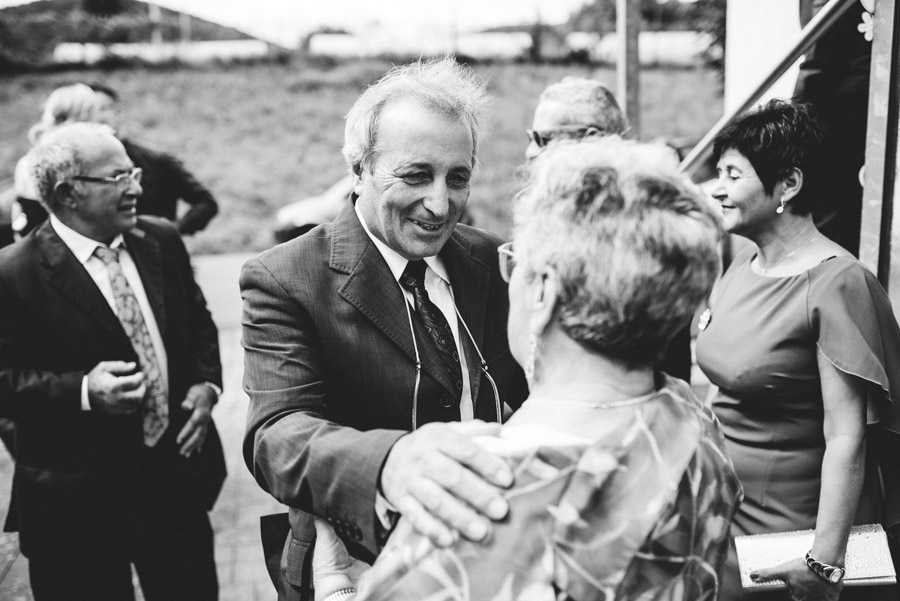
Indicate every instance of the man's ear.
{"type": "Point", "coordinates": [65, 195]}
{"type": "Point", "coordinates": [791, 183]}
{"type": "Point", "coordinates": [357, 179]}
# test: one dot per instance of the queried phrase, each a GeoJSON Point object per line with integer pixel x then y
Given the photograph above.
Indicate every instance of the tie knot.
{"type": "Point", "coordinates": [107, 255]}
{"type": "Point", "coordinates": [414, 274]}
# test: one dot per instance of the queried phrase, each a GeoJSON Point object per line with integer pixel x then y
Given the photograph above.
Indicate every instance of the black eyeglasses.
{"type": "Point", "coordinates": [122, 181]}
{"type": "Point", "coordinates": [507, 260]}
{"type": "Point", "coordinates": [542, 138]}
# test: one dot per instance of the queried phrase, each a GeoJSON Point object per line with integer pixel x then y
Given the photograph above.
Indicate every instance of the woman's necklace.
{"type": "Point", "coordinates": [767, 268]}
{"type": "Point", "coordinates": [594, 405]}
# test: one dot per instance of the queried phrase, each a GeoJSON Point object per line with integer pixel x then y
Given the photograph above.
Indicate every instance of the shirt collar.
{"type": "Point", "coordinates": [396, 262]}
{"type": "Point", "coordinates": [80, 245]}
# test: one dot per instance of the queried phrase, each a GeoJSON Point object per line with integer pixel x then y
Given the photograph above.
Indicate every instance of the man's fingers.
{"type": "Point", "coordinates": [118, 367]}
{"type": "Point", "coordinates": [490, 467]}
{"type": "Point", "coordinates": [467, 486]}
{"type": "Point", "coordinates": [130, 382]}
{"type": "Point", "coordinates": [448, 509]}
{"type": "Point", "coordinates": [193, 442]}
{"type": "Point", "coordinates": [424, 523]}
{"type": "Point", "coordinates": [190, 426]}
{"type": "Point", "coordinates": [475, 427]}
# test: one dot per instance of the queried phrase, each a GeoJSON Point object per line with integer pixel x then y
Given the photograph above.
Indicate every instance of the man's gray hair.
{"type": "Point", "coordinates": [442, 85]}
{"type": "Point", "coordinates": [589, 102]}
{"type": "Point", "coordinates": [633, 240]}
{"type": "Point", "coordinates": [57, 157]}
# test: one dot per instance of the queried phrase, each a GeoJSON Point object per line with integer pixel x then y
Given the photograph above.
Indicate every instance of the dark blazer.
{"type": "Point", "coordinates": [75, 480]}
{"type": "Point", "coordinates": [166, 181]}
{"type": "Point", "coordinates": [330, 369]}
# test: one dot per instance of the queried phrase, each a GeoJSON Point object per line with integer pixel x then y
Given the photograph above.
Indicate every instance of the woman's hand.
{"type": "Point", "coordinates": [333, 568]}
{"type": "Point", "coordinates": [802, 583]}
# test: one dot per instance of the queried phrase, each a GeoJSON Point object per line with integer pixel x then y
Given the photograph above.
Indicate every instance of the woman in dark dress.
{"type": "Point", "coordinates": [802, 343]}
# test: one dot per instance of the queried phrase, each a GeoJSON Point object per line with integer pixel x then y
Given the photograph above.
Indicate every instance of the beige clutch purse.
{"type": "Point", "coordinates": [868, 557]}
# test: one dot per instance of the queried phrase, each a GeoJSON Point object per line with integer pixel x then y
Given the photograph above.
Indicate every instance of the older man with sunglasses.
{"type": "Point", "coordinates": [585, 110]}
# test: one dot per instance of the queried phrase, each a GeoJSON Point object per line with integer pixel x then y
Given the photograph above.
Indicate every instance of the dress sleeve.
{"type": "Point", "coordinates": [856, 330]}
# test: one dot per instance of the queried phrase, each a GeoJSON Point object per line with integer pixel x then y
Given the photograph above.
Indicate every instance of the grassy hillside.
{"type": "Point", "coordinates": [30, 32]}
{"type": "Point", "coordinates": [265, 135]}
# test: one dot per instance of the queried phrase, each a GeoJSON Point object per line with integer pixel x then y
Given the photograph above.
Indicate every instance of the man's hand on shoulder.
{"type": "Point", "coordinates": [445, 483]}
{"type": "Point", "coordinates": [115, 387]}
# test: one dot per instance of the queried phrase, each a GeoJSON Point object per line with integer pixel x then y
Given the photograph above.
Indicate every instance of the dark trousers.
{"type": "Point", "coordinates": [170, 545]}
{"type": "Point", "coordinates": [174, 563]}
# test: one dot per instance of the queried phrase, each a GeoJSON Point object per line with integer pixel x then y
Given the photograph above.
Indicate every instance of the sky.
{"type": "Point", "coordinates": [286, 21]}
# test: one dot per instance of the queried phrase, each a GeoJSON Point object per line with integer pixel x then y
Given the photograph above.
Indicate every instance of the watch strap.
{"type": "Point", "coordinates": [214, 387]}
{"type": "Point", "coordinates": [341, 595]}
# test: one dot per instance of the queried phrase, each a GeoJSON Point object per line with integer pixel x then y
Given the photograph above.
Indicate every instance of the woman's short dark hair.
{"type": "Point", "coordinates": [776, 138]}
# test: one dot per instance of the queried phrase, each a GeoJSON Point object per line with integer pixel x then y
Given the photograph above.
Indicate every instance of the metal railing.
{"type": "Point", "coordinates": [815, 29]}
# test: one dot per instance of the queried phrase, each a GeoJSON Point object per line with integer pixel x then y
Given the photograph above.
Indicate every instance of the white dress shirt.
{"type": "Point", "coordinates": [83, 249]}
{"type": "Point", "coordinates": [437, 284]}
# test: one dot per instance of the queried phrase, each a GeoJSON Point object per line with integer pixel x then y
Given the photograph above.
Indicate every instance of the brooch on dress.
{"type": "Point", "coordinates": [705, 318]}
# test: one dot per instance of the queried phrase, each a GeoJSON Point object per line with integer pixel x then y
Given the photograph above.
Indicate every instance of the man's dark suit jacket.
{"type": "Point", "coordinates": [166, 181]}
{"type": "Point", "coordinates": [330, 370]}
{"type": "Point", "coordinates": [75, 473]}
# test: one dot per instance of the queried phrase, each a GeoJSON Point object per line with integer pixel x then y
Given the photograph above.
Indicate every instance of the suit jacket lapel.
{"type": "Point", "coordinates": [145, 253]}
{"type": "Point", "coordinates": [372, 289]}
{"type": "Point", "coordinates": [470, 279]}
{"type": "Point", "coordinates": [65, 273]}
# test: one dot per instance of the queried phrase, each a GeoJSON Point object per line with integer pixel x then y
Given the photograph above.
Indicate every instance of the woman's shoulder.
{"type": "Point", "coordinates": [840, 278]}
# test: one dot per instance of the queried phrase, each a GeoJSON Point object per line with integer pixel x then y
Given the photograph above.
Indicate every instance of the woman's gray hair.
{"type": "Point", "coordinates": [588, 102]}
{"type": "Point", "coordinates": [633, 240]}
{"type": "Point", "coordinates": [66, 104]}
{"type": "Point", "coordinates": [57, 158]}
{"type": "Point", "coordinates": [442, 85]}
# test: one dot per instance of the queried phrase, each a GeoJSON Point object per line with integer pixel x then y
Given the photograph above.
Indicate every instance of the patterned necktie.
{"type": "Point", "coordinates": [413, 279]}
{"type": "Point", "coordinates": [155, 407]}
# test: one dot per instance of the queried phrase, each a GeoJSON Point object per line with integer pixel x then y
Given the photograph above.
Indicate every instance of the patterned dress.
{"type": "Point", "coordinates": [642, 512]}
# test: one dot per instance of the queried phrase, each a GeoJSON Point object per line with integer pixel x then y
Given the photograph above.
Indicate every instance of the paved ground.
{"type": "Point", "coordinates": [242, 574]}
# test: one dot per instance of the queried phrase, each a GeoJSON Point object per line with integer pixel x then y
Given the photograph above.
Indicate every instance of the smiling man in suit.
{"type": "Point", "coordinates": [392, 318]}
{"type": "Point", "coordinates": [109, 365]}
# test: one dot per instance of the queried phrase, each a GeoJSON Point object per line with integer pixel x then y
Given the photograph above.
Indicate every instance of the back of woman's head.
{"type": "Point", "coordinates": [776, 138]}
{"type": "Point", "coordinates": [67, 104]}
{"type": "Point", "coordinates": [634, 243]}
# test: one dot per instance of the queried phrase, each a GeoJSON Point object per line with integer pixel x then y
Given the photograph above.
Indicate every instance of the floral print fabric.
{"type": "Point", "coordinates": [643, 513]}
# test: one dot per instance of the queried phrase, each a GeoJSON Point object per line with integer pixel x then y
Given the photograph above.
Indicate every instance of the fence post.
{"type": "Point", "coordinates": [628, 64]}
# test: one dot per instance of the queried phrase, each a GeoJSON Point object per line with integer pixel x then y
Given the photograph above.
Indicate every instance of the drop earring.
{"type": "Point", "coordinates": [532, 358]}
{"type": "Point", "coordinates": [780, 209]}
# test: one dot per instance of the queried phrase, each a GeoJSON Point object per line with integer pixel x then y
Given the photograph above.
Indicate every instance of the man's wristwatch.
{"type": "Point", "coordinates": [214, 387]}
{"type": "Point", "coordinates": [341, 595]}
{"type": "Point", "coordinates": [832, 574]}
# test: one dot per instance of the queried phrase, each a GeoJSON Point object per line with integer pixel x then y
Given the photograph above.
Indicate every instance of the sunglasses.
{"type": "Point", "coordinates": [542, 138]}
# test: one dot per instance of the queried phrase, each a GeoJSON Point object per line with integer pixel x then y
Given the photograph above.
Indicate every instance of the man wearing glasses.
{"type": "Point", "coordinates": [574, 109]}
{"type": "Point", "coordinates": [109, 366]}
{"type": "Point", "coordinates": [392, 318]}
{"type": "Point", "coordinates": [585, 110]}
